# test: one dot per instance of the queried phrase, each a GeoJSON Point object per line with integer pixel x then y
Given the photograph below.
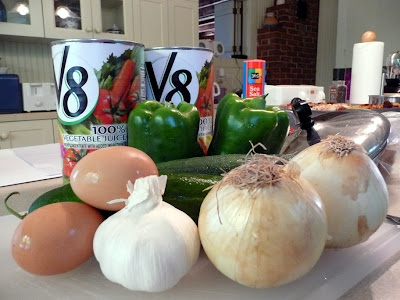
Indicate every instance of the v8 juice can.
{"type": "Point", "coordinates": [253, 78]}
{"type": "Point", "coordinates": [178, 74]}
{"type": "Point", "coordinates": [98, 83]}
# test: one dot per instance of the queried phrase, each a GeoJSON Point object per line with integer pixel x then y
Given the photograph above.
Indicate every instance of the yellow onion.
{"type": "Point", "coordinates": [351, 187]}
{"type": "Point", "coordinates": [263, 225]}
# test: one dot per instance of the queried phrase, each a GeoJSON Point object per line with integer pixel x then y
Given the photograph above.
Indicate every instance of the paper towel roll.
{"type": "Point", "coordinates": [366, 72]}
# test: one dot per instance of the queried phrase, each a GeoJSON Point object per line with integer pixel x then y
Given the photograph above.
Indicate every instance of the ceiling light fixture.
{"type": "Point", "coordinates": [63, 12]}
{"type": "Point", "coordinates": [21, 8]}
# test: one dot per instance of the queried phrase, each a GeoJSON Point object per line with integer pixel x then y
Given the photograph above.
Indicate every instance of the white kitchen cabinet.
{"type": "Point", "coordinates": [161, 23]}
{"type": "Point", "coordinates": [183, 23]}
{"type": "Point", "coordinates": [23, 18]}
{"type": "Point", "coordinates": [150, 22]}
{"type": "Point", "coordinates": [26, 133]}
{"type": "Point", "coordinates": [88, 19]}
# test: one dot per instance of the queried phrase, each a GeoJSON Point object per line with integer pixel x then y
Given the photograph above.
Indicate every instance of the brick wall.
{"type": "Point", "coordinates": [290, 48]}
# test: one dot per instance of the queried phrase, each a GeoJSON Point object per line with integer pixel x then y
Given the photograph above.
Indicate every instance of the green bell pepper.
{"type": "Point", "coordinates": [239, 121]}
{"type": "Point", "coordinates": [165, 131]}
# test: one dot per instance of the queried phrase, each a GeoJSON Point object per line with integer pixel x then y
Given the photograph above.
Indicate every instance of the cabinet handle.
{"type": "Point", "coordinates": [89, 29]}
{"type": "Point", "coordinates": [4, 135]}
{"type": "Point", "coordinates": [98, 30]}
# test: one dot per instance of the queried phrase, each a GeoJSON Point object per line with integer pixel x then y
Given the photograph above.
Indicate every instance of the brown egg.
{"type": "Point", "coordinates": [55, 238]}
{"type": "Point", "coordinates": [102, 175]}
{"type": "Point", "coordinates": [368, 36]}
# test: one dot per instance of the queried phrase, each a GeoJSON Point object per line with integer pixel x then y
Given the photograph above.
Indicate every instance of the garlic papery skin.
{"type": "Point", "coordinates": [351, 187]}
{"type": "Point", "coordinates": [263, 236]}
{"type": "Point", "coordinates": [149, 245]}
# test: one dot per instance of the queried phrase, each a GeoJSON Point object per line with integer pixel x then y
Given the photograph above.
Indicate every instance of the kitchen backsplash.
{"type": "Point", "coordinates": [232, 73]}
{"type": "Point", "coordinates": [32, 62]}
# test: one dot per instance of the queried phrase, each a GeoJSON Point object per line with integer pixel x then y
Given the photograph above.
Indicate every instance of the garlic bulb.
{"type": "Point", "coordinates": [350, 186]}
{"type": "Point", "coordinates": [148, 245]}
{"type": "Point", "coordinates": [263, 225]}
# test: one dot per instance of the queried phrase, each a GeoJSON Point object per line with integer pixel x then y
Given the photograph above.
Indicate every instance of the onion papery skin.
{"type": "Point", "coordinates": [263, 237]}
{"type": "Point", "coordinates": [352, 189]}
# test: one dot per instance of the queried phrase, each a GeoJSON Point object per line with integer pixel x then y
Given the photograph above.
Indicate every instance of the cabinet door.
{"type": "Point", "coordinates": [151, 22]}
{"type": "Point", "coordinates": [67, 19]}
{"type": "Point", "coordinates": [26, 133]}
{"type": "Point", "coordinates": [112, 19]}
{"type": "Point", "coordinates": [183, 22]}
{"type": "Point", "coordinates": [21, 18]}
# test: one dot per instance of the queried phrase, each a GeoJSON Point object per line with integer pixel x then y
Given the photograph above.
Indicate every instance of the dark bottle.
{"type": "Point", "coordinates": [3, 12]}
{"type": "Point", "coordinates": [341, 87]}
{"type": "Point", "coordinates": [392, 86]}
{"type": "Point", "coordinates": [333, 87]}
{"type": "Point", "coordinates": [347, 82]}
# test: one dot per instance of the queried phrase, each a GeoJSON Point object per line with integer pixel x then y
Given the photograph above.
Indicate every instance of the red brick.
{"type": "Point", "coordinates": [290, 49]}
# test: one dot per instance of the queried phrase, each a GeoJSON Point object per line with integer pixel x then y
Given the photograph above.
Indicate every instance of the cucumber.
{"type": "Point", "coordinates": [186, 191]}
{"type": "Point", "coordinates": [63, 193]}
{"type": "Point", "coordinates": [211, 165]}
{"type": "Point", "coordinates": [60, 194]}
{"type": "Point", "coordinates": [189, 184]}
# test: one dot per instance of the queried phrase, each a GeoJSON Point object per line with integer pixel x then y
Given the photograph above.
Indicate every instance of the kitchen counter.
{"type": "Point", "coordinates": [369, 271]}
{"type": "Point", "coordinates": [28, 116]}
{"type": "Point", "coordinates": [28, 193]}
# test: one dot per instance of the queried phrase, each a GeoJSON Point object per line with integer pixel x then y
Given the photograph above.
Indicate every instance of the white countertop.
{"type": "Point", "coordinates": [26, 164]}
{"type": "Point", "coordinates": [366, 271]}
{"type": "Point", "coordinates": [335, 273]}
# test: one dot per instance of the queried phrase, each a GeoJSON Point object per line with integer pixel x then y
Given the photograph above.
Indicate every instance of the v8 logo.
{"type": "Point", "coordinates": [77, 87]}
{"type": "Point", "coordinates": [171, 78]}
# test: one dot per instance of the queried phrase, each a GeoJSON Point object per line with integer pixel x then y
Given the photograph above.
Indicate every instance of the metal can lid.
{"type": "Point", "coordinates": [104, 41]}
{"type": "Point", "coordinates": [178, 48]}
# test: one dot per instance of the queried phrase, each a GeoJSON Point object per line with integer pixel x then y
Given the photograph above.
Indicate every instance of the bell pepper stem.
{"type": "Point", "coordinates": [168, 104]}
